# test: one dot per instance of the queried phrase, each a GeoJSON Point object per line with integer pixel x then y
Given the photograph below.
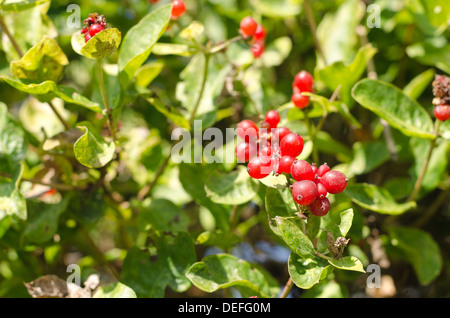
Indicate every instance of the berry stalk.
{"type": "Point", "coordinates": [105, 100]}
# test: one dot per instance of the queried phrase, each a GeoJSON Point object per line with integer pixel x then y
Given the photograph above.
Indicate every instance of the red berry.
{"type": "Point", "coordinates": [314, 168]}
{"type": "Point", "coordinates": [260, 33]}
{"type": "Point", "coordinates": [323, 169]}
{"type": "Point", "coordinates": [272, 118]}
{"type": "Point", "coordinates": [245, 151]}
{"type": "Point", "coordinates": [94, 29]}
{"type": "Point", "coordinates": [247, 130]}
{"type": "Point", "coordinates": [303, 81]}
{"type": "Point", "coordinates": [284, 164]}
{"type": "Point", "coordinates": [257, 49]}
{"type": "Point", "coordinates": [248, 26]}
{"type": "Point", "coordinates": [334, 181]}
{"type": "Point", "coordinates": [321, 190]}
{"type": "Point", "coordinates": [304, 192]}
{"type": "Point", "coordinates": [442, 112]}
{"type": "Point", "coordinates": [265, 151]}
{"type": "Point", "coordinates": [301, 170]}
{"type": "Point", "coordinates": [291, 145]}
{"type": "Point", "coordinates": [87, 37]}
{"type": "Point", "coordinates": [278, 134]}
{"type": "Point", "coordinates": [178, 8]}
{"type": "Point", "coordinates": [320, 207]}
{"type": "Point", "coordinates": [300, 100]}
{"type": "Point", "coordinates": [260, 167]}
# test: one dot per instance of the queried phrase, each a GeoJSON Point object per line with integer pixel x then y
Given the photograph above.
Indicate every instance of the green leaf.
{"type": "Point", "coordinates": [367, 156]}
{"type": "Point", "coordinates": [101, 45]}
{"type": "Point", "coordinates": [170, 112]}
{"type": "Point", "coordinates": [172, 49]}
{"type": "Point", "coordinates": [48, 90]}
{"type": "Point", "coordinates": [349, 263]}
{"type": "Point", "coordinates": [275, 181]}
{"type": "Point", "coordinates": [223, 240]}
{"type": "Point", "coordinates": [419, 84]}
{"type": "Point", "coordinates": [148, 274]}
{"type": "Point", "coordinates": [192, 31]}
{"type": "Point", "coordinates": [20, 5]}
{"type": "Point", "coordinates": [139, 41]}
{"type": "Point", "coordinates": [148, 72]}
{"type": "Point", "coordinates": [12, 202]}
{"type": "Point", "coordinates": [376, 199]}
{"type": "Point", "coordinates": [277, 51]}
{"type": "Point", "coordinates": [420, 249]}
{"type": "Point", "coordinates": [44, 61]}
{"type": "Point", "coordinates": [278, 204]}
{"type": "Point", "coordinates": [276, 9]}
{"type": "Point", "coordinates": [306, 273]}
{"type": "Point", "coordinates": [391, 104]}
{"type": "Point", "coordinates": [161, 215]}
{"type": "Point", "coordinates": [114, 290]}
{"type": "Point", "coordinates": [43, 219]}
{"type": "Point", "coordinates": [346, 75]}
{"type": "Point", "coordinates": [435, 53]}
{"type": "Point", "coordinates": [233, 188]}
{"type": "Point", "coordinates": [293, 236]}
{"type": "Point", "coordinates": [221, 271]}
{"type": "Point", "coordinates": [91, 150]}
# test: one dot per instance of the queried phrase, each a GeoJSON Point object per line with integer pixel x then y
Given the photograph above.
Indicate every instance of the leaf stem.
{"type": "Point", "coordinates": [61, 119]}
{"type": "Point", "coordinates": [105, 100]}
{"type": "Point", "coordinates": [287, 288]}
{"type": "Point", "coordinates": [202, 87]}
{"type": "Point", "coordinates": [418, 184]}
{"type": "Point", "coordinates": [10, 37]}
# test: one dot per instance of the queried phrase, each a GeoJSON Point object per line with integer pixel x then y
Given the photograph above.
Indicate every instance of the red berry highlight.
{"type": "Point", "coordinates": [284, 164]}
{"type": "Point", "coordinates": [272, 118]}
{"type": "Point", "coordinates": [178, 8]}
{"type": "Point", "coordinates": [257, 49]}
{"type": "Point", "coordinates": [291, 145]}
{"type": "Point", "coordinates": [94, 29]}
{"type": "Point", "coordinates": [245, 151]}
{"type": "Point", "coordinates": [247, 130]}
{"type": "Point", "coordinates": [303, 81]}
{"type": "Point", "coordinates": [301, 170]}
{"type": "Point", "coordinates": [260, 167]}
{"type": "Point", "coordinates": [323, 169]}
{"type": "Point", "coordinates": [334, 181]}
{"type": "Point", "coordinates": [300, 100]}
{"type": "Point", "coordinates": [260, 33]}
{"type": "Point", "coordinates": [442, 112]}
{"type": "Point", "coordinates": [248, 26]}
{"type": "Point", "coordinates": [304, 192]}
{"type": "Point", "coordinates": [320, 207]}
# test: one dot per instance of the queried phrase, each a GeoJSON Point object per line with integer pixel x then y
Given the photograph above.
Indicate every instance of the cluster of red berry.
{"type": "Point", "coordinates": [93, 24]}
{"type": "Point", "coordinates": [441, 91]}
{"type": "Point", "coordinates": [250, 29]}
{"type": "Point", "coordinates": [303, 82]}
{"type": "Point", "coordinates": [272, 149]}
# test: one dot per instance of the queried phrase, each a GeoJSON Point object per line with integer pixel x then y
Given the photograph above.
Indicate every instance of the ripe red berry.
{"type": "Point", "coordinates": [245, 151]}
{"type": "Point", "coordinates": [248, 26]}
{"type": "Point", "coordinates": [257, 49]}
{"type": "Point", "coordinates": [272, 118]}
{"type": "Point", "coordinates": [314, 168]}
{"type": "Point", "coordinates": [278, 134]}
{"type": "Point", "coordinates": [247, 130]}
{"type": "Point", "coordinates": [321, 190]}
{"type": "Point", "coordinates": [178, 8]}
{"type": "Point", "coordinates": [260, 33]}
{"type": "Point", "coordinates": [301, 170]}
{"type": "Point", "coordinates": [320, 207]}
{"type": "Point", "coordinates": [87, 37]}
{"type": "Point", "coordinates": [300, 100]}
{"type": "Point", "coordinates": [442, 112]}
{"type": "Point", "coordinates": [260, 167]}
{"type": "Point", "coordinates": [303, 81]}
{"type": "Point", "coordinates": [304, 192]}
{"type": "Point", "coordinates": [291, 145]}
{"type": "Point", "coordinates": [284, 164]}
{"type": "Point", "coordinates": [334, 181]}
{"type": "Point", "coordinates": [94, 29]}
{"type": "Point", "coordinates": [323, 169]}
{"type": "Point", "coordinates": [266, 151]}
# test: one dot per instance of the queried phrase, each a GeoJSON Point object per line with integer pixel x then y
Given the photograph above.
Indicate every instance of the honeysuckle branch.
{"type": "Point", "coordinates": [287, 288]}
{"type": "Point", "coordinates": [223, 45]}
{"type": "Point", "coordinates": [108, 108]}
{"type": "Point", "coordinates": [418, 184]}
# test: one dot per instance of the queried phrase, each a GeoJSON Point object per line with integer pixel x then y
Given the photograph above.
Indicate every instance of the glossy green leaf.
{"type": "Point", "coordinates": [367, 157]}
{"type": "Point", "coordinates": [277, 204]}
{"type": "Point", "coordinates": [346, 221]}
{"type": "Point", "coordinates": [43, 219]}
{"type": "Point", "coordinates": [148, 72]}
{"type": "Point", "coordinates": [139, 41]}
{"type": "Point", "coordinates": [161, 215]}
{"type": "Point", "coordinates": [376, 199]}
{"type": "Point", "coordinates": [102, 45]}
{"type": "Point", "coordinates": [346, 75]}
{"type": "Point", "coordinates": [12, 202]}
{"type": "Point", "coordinates": [221, 271]}
{"type": "Point", "coordinates": [349, 263]}
{"type": "Point", "coordinates": [420, 249]}
{"type": "Point", "coordinates": [20, 5]}
{"type": "Point", "coordinates": [419, 84]}
{"type": "Point", "coordinates": [170, 112]}
{"type": "Point", "coordinates": [172, 49]}
{"type": "Point", "coordinates": [234, 188]}
{"type": "Point", "coordinates": [148, 274]}
{"type": "Point", "coordinates": [293, 236]}
{"type": "Point", "coordinates": [49, 90]}
{"type": "Point", "coordinates": [223, 240]}
{"type": "Point", "coordinates": [44, 61]}
{"type": "Point", "coordinates": [435, 53]}
{"type": "Point", "coordinates": [391, 104]}
{"type": "Point", "coordinates": [275, 181]}
{"type": "Point", "coordinates": [307, 272]}
{"type": "Point", "coordinates": [114, 290]}
{"type": "Point", "coordinates": [91, 150]}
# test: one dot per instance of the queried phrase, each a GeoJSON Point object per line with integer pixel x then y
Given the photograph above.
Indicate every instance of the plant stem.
{"type": "Point", "coordinates": [202, 87]}
{"type": "Point", "coordinates": [105, 100]}
{"type": "Point", "coordinates": [287, 288]}
{"type": "Point", "coordinates": [57, 186]}
{"type": "Point", "coordinates": [61, 119]}
{"type": "Point", "coordinates": [219, 47]}
{"type": "Point", "coordinates": [312, 24]}
{"type": "Point", "coordinates": [149, 187]}
{"type": "Point", "coordinates": [312, 136]}
{"type": "Point", "coordinates": [10, 37]}
{"type": "Point", "coordinates": [418, 184]}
